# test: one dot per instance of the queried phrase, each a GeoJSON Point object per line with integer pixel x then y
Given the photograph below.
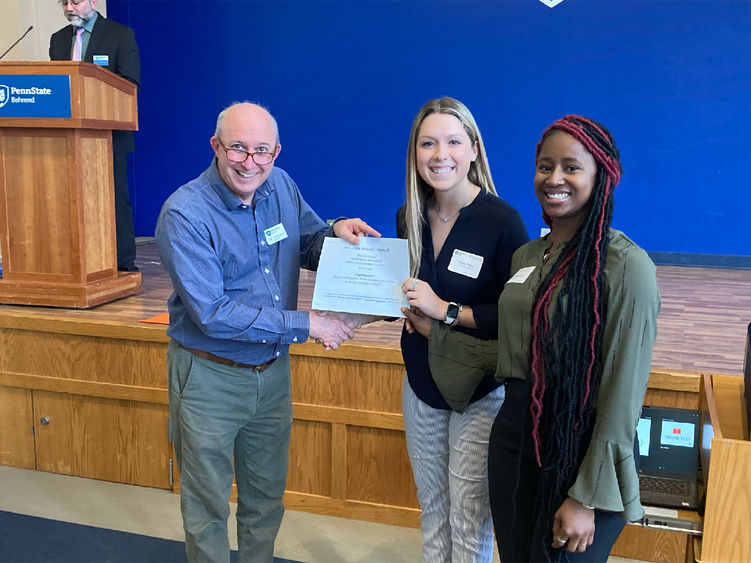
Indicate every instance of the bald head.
{"type": "Point", "coordinates": [247, 110]}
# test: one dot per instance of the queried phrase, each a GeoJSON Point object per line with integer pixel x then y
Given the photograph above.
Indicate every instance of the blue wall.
{"type": "Point", "coordinates": [672, 80]}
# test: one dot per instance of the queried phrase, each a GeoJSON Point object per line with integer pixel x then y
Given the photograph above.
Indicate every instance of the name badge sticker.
{"type": "Point", "coordinates": [102, 60]}
{"type": "Point", "coordinates": [275, 234]}
{"type": "Point", "coordinates": [465, 263]}
{"type": "Point", "coordinates": [521, 275]}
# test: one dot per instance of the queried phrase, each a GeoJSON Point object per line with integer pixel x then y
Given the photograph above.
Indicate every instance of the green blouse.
{"type": "Point", "coordinates": [607, 478]}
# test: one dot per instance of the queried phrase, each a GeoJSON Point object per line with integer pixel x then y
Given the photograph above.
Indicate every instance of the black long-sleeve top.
{"type": "Point", "coordinates": [490, 228]}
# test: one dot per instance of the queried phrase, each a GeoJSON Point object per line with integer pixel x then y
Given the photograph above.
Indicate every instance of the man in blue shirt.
{"type": "Point", "coordinates": [233, 241]}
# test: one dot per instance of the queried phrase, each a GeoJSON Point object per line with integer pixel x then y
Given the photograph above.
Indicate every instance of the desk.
{"type": "Point", "coordinates": [666, 388]}
{"type": "Point", "coordinates": [727, 517]}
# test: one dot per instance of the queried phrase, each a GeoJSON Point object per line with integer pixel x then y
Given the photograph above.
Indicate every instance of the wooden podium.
{"type": "Point", "coordinates": [57, 206]}
{"type": "Point", "coordinates": [727, 517]}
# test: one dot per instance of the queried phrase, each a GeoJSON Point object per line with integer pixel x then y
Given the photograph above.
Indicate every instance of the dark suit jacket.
{"type": "Point", "coordinates": [118, 42]}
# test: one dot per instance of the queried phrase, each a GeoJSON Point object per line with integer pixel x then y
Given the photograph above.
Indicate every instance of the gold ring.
{"type": "Point", "coordinates": [414, 284]}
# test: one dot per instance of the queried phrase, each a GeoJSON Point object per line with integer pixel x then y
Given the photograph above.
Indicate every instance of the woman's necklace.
{"type": "Point", "coordinates": [455, 213]}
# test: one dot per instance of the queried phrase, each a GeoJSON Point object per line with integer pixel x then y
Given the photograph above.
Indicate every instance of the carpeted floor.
{"type": "Point", "coordinates": [28, 539]}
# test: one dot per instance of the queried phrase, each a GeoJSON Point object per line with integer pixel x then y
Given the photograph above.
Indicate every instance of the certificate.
{"type": "Point", "coordinates": [362, 278]}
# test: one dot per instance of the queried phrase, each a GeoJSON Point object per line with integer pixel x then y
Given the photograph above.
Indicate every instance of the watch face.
{"type": "Point", "coordinates": [451, 312]}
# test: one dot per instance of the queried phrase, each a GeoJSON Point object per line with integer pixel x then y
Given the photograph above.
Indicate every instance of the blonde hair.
{"type": "Point", "coordinates": [418, 190]}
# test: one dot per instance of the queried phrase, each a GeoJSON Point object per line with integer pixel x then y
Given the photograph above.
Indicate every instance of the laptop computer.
{"type": "Point", "coordinates": [669, 456]}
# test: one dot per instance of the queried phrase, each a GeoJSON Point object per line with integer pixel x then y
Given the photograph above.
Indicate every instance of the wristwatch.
{"type": "Point", "coordinates": [452, 314]}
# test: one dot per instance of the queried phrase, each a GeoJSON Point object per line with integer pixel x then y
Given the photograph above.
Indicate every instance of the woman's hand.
{"type": "Point", "coordinates": [416, 321]}
{"type": "Point", "coordinates": [573, 526]}
{"type": "Point", "coordinates": [420, 295]}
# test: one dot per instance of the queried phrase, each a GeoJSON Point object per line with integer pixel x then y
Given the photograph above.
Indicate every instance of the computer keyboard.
{"type": "Point", "coordinates": [663, 485]}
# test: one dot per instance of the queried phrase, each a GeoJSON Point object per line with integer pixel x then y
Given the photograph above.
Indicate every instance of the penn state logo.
{"type": "Point", "coordinates": [551, 3]}
{"type": "Point", "coordinates": [4, 95]}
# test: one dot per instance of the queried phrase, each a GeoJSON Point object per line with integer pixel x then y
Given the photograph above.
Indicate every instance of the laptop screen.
{"type": "Point", "coordinates": [668, 440]}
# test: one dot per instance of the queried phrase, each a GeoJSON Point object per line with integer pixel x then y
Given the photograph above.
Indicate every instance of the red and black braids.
{"type": "Point", "coordinates": [566, 345]}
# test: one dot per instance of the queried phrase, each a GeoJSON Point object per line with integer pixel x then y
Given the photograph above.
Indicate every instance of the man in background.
{"type": "Point", "coordinates": [91, 37]}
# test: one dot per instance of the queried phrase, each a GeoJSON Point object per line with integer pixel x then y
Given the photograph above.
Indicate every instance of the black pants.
{"type": "Point", "coordinates": [513, 477]}
{"type": "Point", "coordinates": [124, 232]}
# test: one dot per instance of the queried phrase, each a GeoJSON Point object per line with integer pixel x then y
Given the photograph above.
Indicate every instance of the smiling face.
{"type": "Point", "coordinates": [249, 128]}
{"type": "Point", "coordinates": [444, 152]}
{"type": "Point", "coordinates": [564, 179]}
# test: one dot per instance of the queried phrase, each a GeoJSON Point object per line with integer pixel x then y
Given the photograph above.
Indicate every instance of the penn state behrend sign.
{"type": "Point", "coordinates": [34, 95]}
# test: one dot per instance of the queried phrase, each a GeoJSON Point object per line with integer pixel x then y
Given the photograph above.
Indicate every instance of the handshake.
{"type": "Point", "coordinates": [330, 328]}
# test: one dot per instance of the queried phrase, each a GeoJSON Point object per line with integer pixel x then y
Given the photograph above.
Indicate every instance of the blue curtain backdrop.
{"type": "Point", "coordinates": [671, 79]}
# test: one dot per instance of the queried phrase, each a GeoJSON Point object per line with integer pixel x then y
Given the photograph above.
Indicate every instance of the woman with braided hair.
{"type": "Point", "coordinates": [577, 322]}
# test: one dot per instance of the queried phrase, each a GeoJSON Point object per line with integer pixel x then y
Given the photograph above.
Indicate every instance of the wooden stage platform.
{"type": "Point", "coordinates": [701, 327]}
{"type": "Point", "coordinates": [702, 324]}
{"type": "Point", "coordinates": [84, 392]}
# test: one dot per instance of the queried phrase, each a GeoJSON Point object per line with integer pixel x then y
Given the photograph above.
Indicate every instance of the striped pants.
{"type": "Point", "coordinates": [449, 456]}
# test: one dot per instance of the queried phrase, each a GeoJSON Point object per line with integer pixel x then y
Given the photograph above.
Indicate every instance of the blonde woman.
{"type": "Point", "coordinates": [461, 237]}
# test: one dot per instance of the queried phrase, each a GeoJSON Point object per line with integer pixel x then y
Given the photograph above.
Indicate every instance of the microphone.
{"type": "Point", "coordinates": [17, 41]}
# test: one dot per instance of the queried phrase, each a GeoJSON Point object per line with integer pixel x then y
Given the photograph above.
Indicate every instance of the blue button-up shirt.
{"type": "Point", "coordinates": [235, 290]}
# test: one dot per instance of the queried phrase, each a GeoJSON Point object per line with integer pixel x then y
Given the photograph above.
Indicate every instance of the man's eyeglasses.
{"type": "Point", "coordinates": [239, 155]}
{"type": "Point", "coordinates": [72, 2]}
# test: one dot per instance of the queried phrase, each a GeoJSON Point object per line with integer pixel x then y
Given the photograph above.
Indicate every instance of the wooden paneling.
{"type": "Point", "coordinates": [347, 437]}
{"type": "Point", "coordinates": [678, 399]}
{"type": "Point", "coordinates": [673, 380]}
{"type": "Point", "coordinates": [727, 518]}
{"type": "Point", "coordinates": [106, 399]}
{"type": "Point", "coordinates": [376, 457]}
{"type": "Point", "coordinates": [97, 203]}
{"type": "Point", "coordinates": [16, 428]}
{"type": "Point", "coordinates": [83, 358]}
{"type": "Point", "coordinates": [36, 216]}
{"type": "Point", "coordinates": [731, 405]}
{"type": "Point", "coordinates": [105, 103]}
{"type": "Point", "coordinates": [123, 441]}
{"type": "Point", "coordinates": [644, 544]}
{"type": "Point", "coordinates": [310, 458]}
{"type": "Point", "coordinates": [353, 384]}
{"type": "Point", "coordinates": [79, 295]}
